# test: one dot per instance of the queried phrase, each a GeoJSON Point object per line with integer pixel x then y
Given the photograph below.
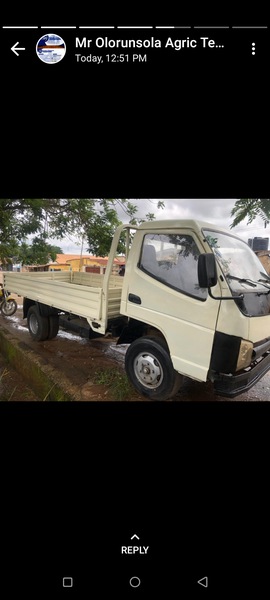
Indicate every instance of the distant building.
{"type": "Point", "coordinates": [75, 262]}
{"type": "Point", "coordinates": [258, 243]}
{"type": "Point", "coordinates": [264, 257]}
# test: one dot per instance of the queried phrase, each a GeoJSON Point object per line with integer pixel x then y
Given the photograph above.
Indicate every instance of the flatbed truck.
{"type": "Point", "coordinates": [194, 302]}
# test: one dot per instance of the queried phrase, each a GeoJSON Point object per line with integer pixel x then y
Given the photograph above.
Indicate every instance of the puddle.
{"type": "Point", "coordinates": [14, 323]}
{"type": "Point", "coordinates": [71, 336]}
{"type": "Point", "coordinates": [116, 352]}
{"type": "Point", "coordinates": [16, 319]}
{"type": "Point", "coordinates": [20, 327]}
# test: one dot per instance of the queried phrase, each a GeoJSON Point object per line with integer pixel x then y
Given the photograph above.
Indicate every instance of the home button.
{"type": "Point", "coordinates": [135, 582]}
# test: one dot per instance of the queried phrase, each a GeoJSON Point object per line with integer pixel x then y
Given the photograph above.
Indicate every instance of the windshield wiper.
{"type": "Point", "coordinates": [264, 281]}
{"type": "Point", "coordinates": [266, 277]}
{"type": "Point", "coordinates": [241, 280]}
{"type": "Point", "coordinates": [251, 282]}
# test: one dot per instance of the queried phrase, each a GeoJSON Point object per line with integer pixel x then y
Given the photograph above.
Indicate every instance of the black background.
{"type": "Point", "coordinates": [185, 124]}
{"type": "Point", "coordinates": [190, 479]}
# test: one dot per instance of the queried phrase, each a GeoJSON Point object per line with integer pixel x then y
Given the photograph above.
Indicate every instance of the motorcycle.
{"type": "Point", "coordinates": [8, 306]}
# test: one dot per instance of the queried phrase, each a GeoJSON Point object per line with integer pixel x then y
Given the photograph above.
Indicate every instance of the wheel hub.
{"type": "Point", "coordinates": [7, 307]}
{"type": "Point", "coordinates": [148, 370]}
{"type": "Point", "coordinates": [33, 323]}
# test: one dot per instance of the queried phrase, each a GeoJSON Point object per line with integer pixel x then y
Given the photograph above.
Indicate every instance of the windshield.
{"type": "Point", "coordinates": [236, 259]}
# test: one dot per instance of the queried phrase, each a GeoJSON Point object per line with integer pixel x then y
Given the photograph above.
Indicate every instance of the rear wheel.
{"type": "Point", "coordinates": [9, 307]}
{"type": "Point", "coordinates": [150, 370]}
{"type": "Point", "coordinates": [53, 326]}
{"type": "Point", "coordinates": [38, 326]}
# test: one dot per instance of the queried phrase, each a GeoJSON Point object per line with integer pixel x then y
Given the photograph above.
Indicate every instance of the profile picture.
{"type": "Point", "coordinates": [51, 48]}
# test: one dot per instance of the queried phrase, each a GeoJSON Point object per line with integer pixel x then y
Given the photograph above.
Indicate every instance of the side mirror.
{"type": "Point", "coordinates": [207, 270]}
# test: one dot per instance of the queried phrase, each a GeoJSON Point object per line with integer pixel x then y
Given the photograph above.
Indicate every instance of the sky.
{"type": "Point", "coordinates": [214, 211]}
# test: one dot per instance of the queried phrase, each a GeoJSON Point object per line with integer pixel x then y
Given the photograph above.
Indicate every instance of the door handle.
{"type": "Point", "coordinates": [134, 298]}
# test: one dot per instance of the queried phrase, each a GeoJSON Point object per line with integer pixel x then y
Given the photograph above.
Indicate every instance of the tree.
{"type": "Point", "coordinates": [39, 253]}
{"type": "Point", "coordinates": [18, 219]}
{"type": "Point", "coordinates": [92, 219]}
{"type": "Point", "coordinates": [55, 250]}
{"type": "Point", "coordinates": [251, 208]}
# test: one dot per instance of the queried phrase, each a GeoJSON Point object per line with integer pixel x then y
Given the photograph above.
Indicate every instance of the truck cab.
{"type": "Point", "coordinates": [216, 329]}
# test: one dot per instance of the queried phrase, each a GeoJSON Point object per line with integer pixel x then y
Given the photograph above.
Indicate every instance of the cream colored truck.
{"type": "Point", "coordinates": [194, 301]}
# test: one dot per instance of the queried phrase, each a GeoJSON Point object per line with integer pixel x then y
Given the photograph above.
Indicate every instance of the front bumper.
{"type": "Point", "coordinates": [230, 386]}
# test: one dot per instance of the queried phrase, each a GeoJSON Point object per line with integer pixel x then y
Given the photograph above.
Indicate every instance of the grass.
{"type": "Point", "coordinates": [119, 386]}
{"type": "Point", "coordinates": [25, 394]}
{"type": "Point", "coordinates": [5, 372]}
{"type": "Point", "coordinates": [58, 399]}
{"type": "Point", "coordinates": [45, 398]}
{"type": "Point", "coordinates": [12, 393]}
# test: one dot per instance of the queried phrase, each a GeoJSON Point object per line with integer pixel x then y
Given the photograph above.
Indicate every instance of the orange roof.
{"type": "Point", "coordinates": [64, 258]}
{"type": "Point", "coordinates": [104, 260]}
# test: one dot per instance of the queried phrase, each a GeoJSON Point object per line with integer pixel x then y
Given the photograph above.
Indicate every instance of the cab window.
{"type": "Point", "coordinates": [172, 259]}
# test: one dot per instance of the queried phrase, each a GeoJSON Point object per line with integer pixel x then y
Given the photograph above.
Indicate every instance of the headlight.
{"type": "Point", "coordinates": [245, 355]}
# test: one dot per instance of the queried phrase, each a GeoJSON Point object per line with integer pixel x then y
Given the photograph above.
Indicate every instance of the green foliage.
{"type": "Point", "coordinates": [160, 204]}
{"type": "Point", "coordinates": [117, 381]}
{"type": "Point", "coordinates": [39, 253]}
{"type": "Point", "coordinates": [18, 218]}
{"type": "Point", "coordinates": [56, 250]}
{"type": "Point", "coordinates": [251, 208]}
{"type": "Point", "coordinates": [90, 219]}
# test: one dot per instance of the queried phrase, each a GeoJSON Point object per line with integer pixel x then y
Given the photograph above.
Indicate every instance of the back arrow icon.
{"type": "Point", "coordinates": [203, 582]}
{"type": "Point", "coordinates": [15, 46]}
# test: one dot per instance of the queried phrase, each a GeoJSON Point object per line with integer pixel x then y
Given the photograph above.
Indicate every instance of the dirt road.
{"type": "Point", "coordinates": [80, 359]}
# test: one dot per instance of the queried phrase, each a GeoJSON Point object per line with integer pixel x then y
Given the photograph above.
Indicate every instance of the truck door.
{"type": "Point", "coordinates": [162, 289]}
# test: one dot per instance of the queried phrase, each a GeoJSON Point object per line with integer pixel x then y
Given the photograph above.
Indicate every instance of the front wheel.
{"type": "Point", "coordinates": [9, 307]}
{"type": "Point", "coordinates": [150, 370]}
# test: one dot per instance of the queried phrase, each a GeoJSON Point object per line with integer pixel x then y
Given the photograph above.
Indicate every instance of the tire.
{"type": "Point", "coordinates": [38, 326]}
{"type": "Point", "coordinates": [53, 326]}
{"type": "Point", "coordinates": [160, 381]}
{"type": "Point", "coordinates": [9, 307]}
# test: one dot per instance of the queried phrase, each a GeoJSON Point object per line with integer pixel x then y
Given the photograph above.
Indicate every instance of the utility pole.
{"type": "Point", "coordinates": [81, 255]}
